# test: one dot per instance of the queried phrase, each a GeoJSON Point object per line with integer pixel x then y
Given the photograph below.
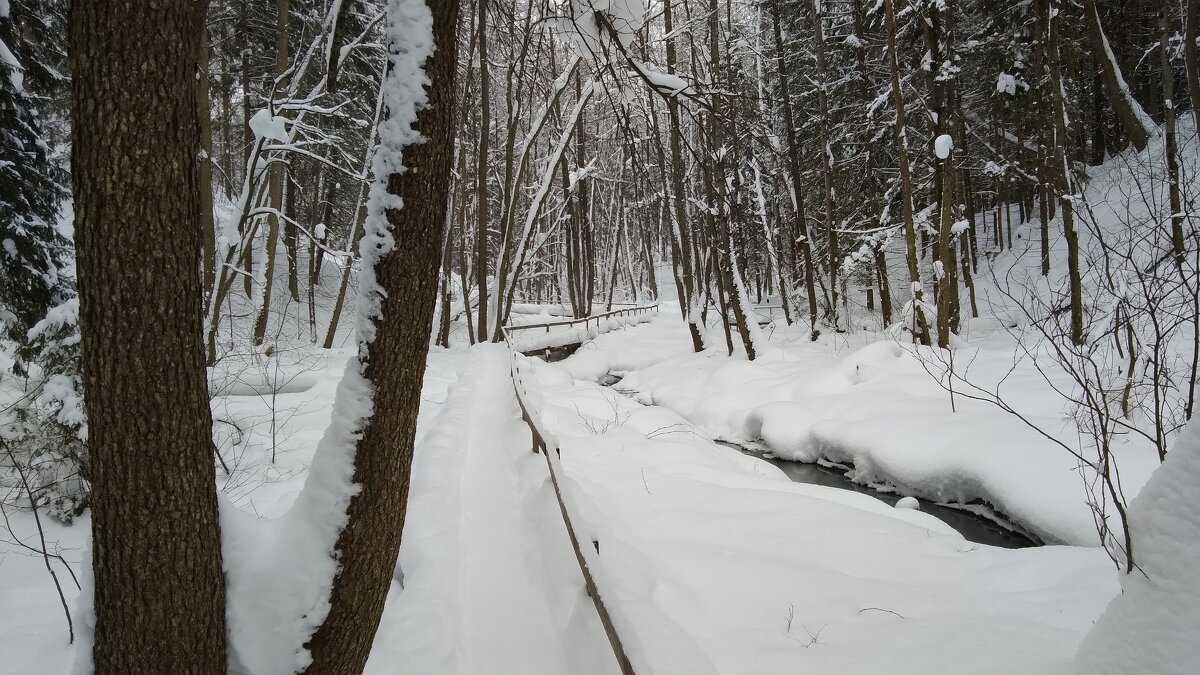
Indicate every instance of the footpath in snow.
{"type": "Point", "coordinates": [491, 583]}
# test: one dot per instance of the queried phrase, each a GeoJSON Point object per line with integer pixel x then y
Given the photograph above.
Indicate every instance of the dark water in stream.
{"type": "Point", "coordinates": [972, 526]}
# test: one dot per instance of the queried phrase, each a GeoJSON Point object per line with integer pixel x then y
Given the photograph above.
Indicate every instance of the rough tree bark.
{"type": "Point", "coordinates": [395, 365]}
{"type": "Point", "coordinates": [156, 552]}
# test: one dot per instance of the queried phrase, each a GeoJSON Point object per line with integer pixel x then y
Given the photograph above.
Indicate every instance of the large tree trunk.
{"type": "Point", "coordinates": [156, 556]}
{"type": "Point", "coordinates": [395, 365]}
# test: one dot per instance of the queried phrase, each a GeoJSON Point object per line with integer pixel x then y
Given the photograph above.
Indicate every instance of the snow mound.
{"type": "Point", "coordinates": [785, 427]}
{"type": "Point", "coordinates": [1151, 627]}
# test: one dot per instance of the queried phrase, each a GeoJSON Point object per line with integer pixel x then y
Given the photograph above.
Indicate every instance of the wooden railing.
{"type": "Point", "coordinates": [545, 443]}
{"type": "Point", "coordinates": [585, 321]}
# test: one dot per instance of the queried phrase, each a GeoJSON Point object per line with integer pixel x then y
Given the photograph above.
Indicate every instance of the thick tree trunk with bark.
{"type": "Point", "coordinates": [395, 365]}
{"type": "Point", "coordinates": [156, 551]}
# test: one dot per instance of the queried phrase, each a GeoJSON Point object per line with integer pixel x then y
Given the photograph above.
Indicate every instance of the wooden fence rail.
{"type": "Point", "coordinates": [545, 443]}
{"type": "Point", "coordinates": [586, 321]}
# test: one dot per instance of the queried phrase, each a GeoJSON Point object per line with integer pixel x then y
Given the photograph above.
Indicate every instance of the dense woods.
{"type": "Point", "coordinates": [221, 181]}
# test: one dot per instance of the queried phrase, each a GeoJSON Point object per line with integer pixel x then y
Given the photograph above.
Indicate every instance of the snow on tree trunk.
{"type": "Point", "coordinates": [1151, 626]}
{"type": "Point", "coordinates": [297, 567]}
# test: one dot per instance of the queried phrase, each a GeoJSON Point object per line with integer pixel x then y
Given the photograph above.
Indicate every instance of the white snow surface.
{"type": "Point", "coordinates": [876, 405]}
{"type": "Point", "coordinates": [713, 561]}
{"type": "Point", "coordinates": [942, 146]}
{"type": "Point", "coordinates": [1151, 627]}
{"type": "Point", "coordinates": [265, 125]}
{"type": "Point", "coordinates": [718, 563]}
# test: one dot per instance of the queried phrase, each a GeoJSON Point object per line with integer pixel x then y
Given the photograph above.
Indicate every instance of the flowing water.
{"type": "Point", "coordinates": [968, 520]}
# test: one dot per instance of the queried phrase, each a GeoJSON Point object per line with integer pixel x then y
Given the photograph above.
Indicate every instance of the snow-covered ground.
{"type": "Point", "coordinates": [876, 406]}
{"type": "Point", "coordinates": [718, 563]}
{"type": "Point", "coordinates": [712, 561]}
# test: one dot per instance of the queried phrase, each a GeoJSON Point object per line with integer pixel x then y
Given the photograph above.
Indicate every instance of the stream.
{"type": "Point", "coordinates": [968, 520]}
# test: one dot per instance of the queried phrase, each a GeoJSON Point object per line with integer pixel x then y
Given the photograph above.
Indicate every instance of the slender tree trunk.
{"type": "Point", "coordinates": [204, 112]}
{"type": "Point", "coordinates": [275, 194]}
{"type": "Point", "coordinates": [1063, 172]}
{"type": "Point", "coordinates": [921, 332]}
{"type": "Point", "coordinates": [1134, 120]}
{"type": "Point", "coordinates": [826, 156]}
{"type": "Point", "coordinates": [395, 365]}
{"type": "Point", "coordinates": [247, 134]}
{"type": "Point", "coordinates": [279, 173]}
{"type": "Point", "coordinates": [156, 549]}
{"type": "Point", "coordinates": [682, 226]}
{"type": "Point", "coordinates": [1171, 145]}
{"type": "Point", "coordinates": [481, 171]}
{"type": "Point", "coordinates": [804, 241]}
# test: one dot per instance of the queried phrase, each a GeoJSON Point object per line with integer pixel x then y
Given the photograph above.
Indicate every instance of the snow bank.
{"type": "Point", "coordinates": [716, 562]}
{"type": "Point", "coordinates": [880, 409]}
{"type": "Point", "coordinates": [1152, 626]}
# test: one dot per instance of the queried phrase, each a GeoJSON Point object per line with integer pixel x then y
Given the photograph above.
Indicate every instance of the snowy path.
{"type": "Point", "coordinates": [492, 584]}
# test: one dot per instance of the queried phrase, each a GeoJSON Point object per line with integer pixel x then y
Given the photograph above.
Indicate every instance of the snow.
{"type": "Point", "coordinates": [265, 125]}
{"type": "Point", "coordinates": [1006, 84]}
{"type": "Point", "coordinates": [666, 83]}
{"type": "Point", "coordinates": [876, 407]}
{"type": "Point", "coordinates": [16, 72]}
{"type": "Point", "coordinates": [942, 146]}
{"type": "Point", "coordinates": [1151, 626]}
{"type": "Point", "coordinates": [726, 566]}
{"type": "Point", "coordinates": [713, 561]}
{"type": "Point", "coordinates": [490, 582]}
{"type": "Point", "coordinates": [908, 503]}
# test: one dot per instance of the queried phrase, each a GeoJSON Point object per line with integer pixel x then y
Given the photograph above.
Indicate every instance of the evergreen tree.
{"type": "Point", "coordinates": [32, 250]}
